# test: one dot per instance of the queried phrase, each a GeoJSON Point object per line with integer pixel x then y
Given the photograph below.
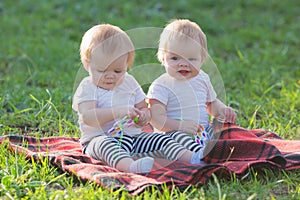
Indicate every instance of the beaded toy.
{"type": "Point", "coordinates": [118, 126]}
{"type": "Point", "coordinates": [202, 136]}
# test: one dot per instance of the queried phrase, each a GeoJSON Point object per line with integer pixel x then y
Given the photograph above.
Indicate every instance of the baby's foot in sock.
{"type": "Point", "coordinates": [197, 157]}
{"type": "Point", "coordinates": [142, 166]}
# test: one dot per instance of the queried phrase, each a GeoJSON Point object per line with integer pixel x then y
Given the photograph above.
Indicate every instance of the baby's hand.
{"type": "Point", "coordinates": [189, 126]}
{"type": "Point", "coordinates": [228, 115]}
{"type": "Point", "coordinates": [133, 113]}
{"type": "Point", "coordinates": [142, 118]}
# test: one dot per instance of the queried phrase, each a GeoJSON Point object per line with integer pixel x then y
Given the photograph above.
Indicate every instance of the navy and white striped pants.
{"type": "Point", "coordinates": [186, 139]}
{"type": "Point", "coordinates": [111, 150]}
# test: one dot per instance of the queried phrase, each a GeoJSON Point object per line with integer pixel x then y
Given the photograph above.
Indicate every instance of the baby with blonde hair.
{"type": "Point", "coordinates": [110, 96]}
{"type": "Point", "coordinates": [182, 98]}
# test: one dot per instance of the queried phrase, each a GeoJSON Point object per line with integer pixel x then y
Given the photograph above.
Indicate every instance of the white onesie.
{"type": "Point", "coordinates": [184, 99]}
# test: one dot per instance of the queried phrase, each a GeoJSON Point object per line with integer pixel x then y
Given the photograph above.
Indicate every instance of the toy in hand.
{"type": "Point", "coordinates": [118, 126]}
{"type": "Point", "coordinates": [202, 136]}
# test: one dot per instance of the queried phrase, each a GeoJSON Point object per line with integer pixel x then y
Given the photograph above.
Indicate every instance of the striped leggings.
{"type": "Point", "coordinates": [111, 150]}
{"type": "Point", "coordinates": [187, 140]}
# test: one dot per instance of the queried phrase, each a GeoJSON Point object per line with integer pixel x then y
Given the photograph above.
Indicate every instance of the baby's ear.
{"type": "Point", "coordinates": [86, 66]}
{"type": "Point", "coordinates": [203, 58]}
{"type": "Point", "coordinates": [163, 59]}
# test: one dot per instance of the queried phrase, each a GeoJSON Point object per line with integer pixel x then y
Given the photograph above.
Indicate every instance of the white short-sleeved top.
{"type": "Point", "coordinates": [184, 99]}
{"type": "Point", "coordinates": [128, 93]}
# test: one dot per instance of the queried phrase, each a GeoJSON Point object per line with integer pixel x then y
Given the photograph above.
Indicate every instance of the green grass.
{"type": "Point", "coordinates": [254, 44]}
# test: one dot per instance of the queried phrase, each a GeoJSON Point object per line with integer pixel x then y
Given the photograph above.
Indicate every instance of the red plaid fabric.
{"type": "Point", "coordinates": [236, 150]}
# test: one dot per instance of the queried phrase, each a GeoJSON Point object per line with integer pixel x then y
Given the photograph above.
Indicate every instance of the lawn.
{"type": "Point", "coordinates": [254, 45]}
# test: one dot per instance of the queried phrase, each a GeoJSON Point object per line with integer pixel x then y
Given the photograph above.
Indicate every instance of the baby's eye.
{"type": "Point", "coordinates": [192, 59]}
{"type": "Point", "coordinates": [100, 71]}
{"type": "Point", "coordinates": [174, 58]}
{"type": "Point", "coordinates": [118, 71]}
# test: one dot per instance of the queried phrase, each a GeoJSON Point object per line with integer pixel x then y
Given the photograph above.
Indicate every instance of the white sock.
{"type": "Point", "coordinates": [142, 165]}
{"type": "Point", "coordinates": [197, 157]}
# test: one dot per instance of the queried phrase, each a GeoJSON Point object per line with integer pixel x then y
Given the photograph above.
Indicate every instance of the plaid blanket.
{"type": "Point", "coordinates": [235, 151]}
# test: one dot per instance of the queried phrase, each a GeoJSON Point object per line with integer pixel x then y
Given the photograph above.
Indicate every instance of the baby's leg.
{"type": "Point", "coordinates": [185, 140]}
{"type": "Point", "coordinates": [161, 144]}
{"type": "Point", "coordinates": [195, 151]}
{"type": "Point", "coordinates": [157, 145]}
{"type": "Point", "coordinates": [115, 153]}
{"type": "Point", "coordinates": [106, 149]}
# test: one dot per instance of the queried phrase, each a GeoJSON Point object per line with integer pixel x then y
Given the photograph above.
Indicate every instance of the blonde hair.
{"type": "Point", "coordinates": [181, 29]}
{"type": "Point", "coordinates": [110, 39]}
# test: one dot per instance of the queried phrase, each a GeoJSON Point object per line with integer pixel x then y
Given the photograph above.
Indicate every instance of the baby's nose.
{"type": "Point", "coordinates": [183, 64]}
{"type": "Point", "coordinates": [109, 75]}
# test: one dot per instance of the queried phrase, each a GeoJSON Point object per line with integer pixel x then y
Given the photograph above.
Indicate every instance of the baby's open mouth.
{"type": "Point", "coordinates": [184, 72]}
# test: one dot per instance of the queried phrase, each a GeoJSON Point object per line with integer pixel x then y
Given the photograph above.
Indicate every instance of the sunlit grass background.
{"type": "Point", "coordinates": [254, 44]}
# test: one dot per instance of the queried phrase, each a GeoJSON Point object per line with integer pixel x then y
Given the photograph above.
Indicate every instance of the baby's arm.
{"type": "Point", "coordinates": [221, 112]}
{"type": "Point", "coordinates": [160, 120]}
{"type": "Point", "coordinates": [96, 117]}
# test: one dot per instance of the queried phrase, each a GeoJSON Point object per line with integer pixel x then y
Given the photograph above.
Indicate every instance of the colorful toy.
{"type": "Point", "coordinates": [202, 136]}
{"type": "Point", "coordinates": [118, 126]}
